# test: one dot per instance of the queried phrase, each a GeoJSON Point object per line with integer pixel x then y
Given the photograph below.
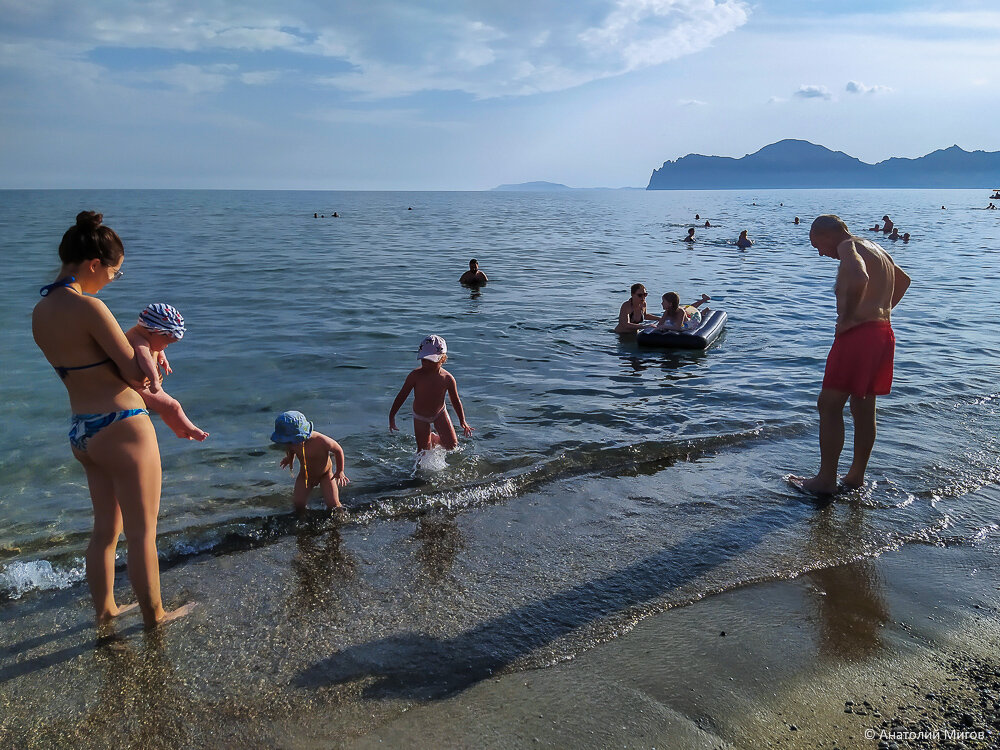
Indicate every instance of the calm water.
{"type": "Point", "coordinates": [324, 315]}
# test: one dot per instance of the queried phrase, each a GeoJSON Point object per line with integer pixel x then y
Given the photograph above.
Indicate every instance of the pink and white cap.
{"type": "Point", "coordinates": [432, 348]}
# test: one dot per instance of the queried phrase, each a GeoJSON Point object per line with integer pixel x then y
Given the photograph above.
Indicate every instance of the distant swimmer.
{"type": "Point", "coordinates": [697, 217]}
{"type": "Point", "coordinates": [875, 228]}
{"type": "Point", "coordinates": [943, 208]}
{"type": "Point", "coordinates": [707, 224]}
{"type": "Point", "coordinates": [632, 315]}
{"type": "Point", "coordinates": [744, 241]}
{"type": "Point", "coordinates": [859, 365]}
{"type": "Point", "coordinates": [410, 208]}
{"type": "Point", "coordinates": [887, 224]}
{"type": "Point", "coordinates": [690, 237]}
{"type": "Point", "coordinates": [315, 216]}
{"type": "Point", "coordinates": [895, 234]}
{"type": "Point", "coordinates": [335, 215]}
{"type": "Point", "coordinates": [473, 275]}
{"type": "Point", "coordinates": [796, 219]}
{"type": "Point", "coordinates": [906, 237]}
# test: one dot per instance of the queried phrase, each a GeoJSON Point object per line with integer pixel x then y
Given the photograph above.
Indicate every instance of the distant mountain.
{"type": "Point", "coordinates": [534, 186]}
{"type": "Point", "coordinates": [799, 164]}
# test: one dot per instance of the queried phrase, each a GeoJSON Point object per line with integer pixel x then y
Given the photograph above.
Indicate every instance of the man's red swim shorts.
{"type": "Point", "coordinates": [860, 360]}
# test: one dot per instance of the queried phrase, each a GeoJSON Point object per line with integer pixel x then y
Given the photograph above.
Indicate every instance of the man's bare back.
{"type": "Point", "coordinates": [865, 283]}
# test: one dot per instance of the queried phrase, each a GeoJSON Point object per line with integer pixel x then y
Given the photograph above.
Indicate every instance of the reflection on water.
{"type": "Point", "coordinates": [141, 701]}
{"type": "Point", "coordinates": [851, 608]}
{"type": "Point", "coordinates": [321, 566]}
{"type": "Point", "coordinates": [440, 542]}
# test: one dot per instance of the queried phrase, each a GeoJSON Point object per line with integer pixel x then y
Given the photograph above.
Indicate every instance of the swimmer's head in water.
{"type": "Point", "coordinates": [160, 317]}
{"type": "Point", "coordinates": [433, 348]}
{"type": "Point", "coordinates": [89, 239]}
{"type": "Point", "coordinates": [291, 427]}
{"type": "Point", "coordinates": [671, 301]}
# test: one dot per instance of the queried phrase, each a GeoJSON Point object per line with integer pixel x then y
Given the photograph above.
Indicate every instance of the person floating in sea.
{"type": "Point", "coordinates": [887, 224]}
{"type": "Point", "coordinates": [430, 384]}
{"type": "Point", "coordinates": [632, 315]}
{"type": "Point", "coordinates": [690, 237]}
{"type": "Point", "coordinates": [707, 224]}
{"type": "Point", "coordinates": [296, 435]}
{"type": "Point", "coordinates": [894, 235]}
{"type": "Point", "coordinates": [677, 317]}
{"type": "Point", "coordinates": [744, 241]}
{"type": "Point", "coordinates": [859, 365]}
{"type": "Point", "coordinates": [159, 326]}
{"type": "Point", "coordinates": [335, 215]}
{"type": "Point", "coordinates": [697, 217]}
{"type": "Point", "coordinates": [473, 276]}
{"type": "Point", "coordinates": [796, 219]}
{"type": "Point", "coordinates": [875, 228]}
{"type": "Point", "coordinates": [906, 237]}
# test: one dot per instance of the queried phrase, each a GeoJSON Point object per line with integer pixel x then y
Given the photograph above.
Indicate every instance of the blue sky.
{"type": "Point", "coordinates": [466, 95]}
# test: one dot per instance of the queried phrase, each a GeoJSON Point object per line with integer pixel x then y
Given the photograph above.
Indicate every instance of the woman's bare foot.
{"type": "Point", "coordinates": [105, 618]}
{"type": "Point", "coordinates": [172, 615]}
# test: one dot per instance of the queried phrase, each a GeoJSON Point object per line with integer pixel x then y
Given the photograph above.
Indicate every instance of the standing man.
{"type": "Point", "coordinates": [859, 366]}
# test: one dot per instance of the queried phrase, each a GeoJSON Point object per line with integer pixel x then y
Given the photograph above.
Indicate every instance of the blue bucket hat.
{"type": "Point", "coordinates": [291, 427]}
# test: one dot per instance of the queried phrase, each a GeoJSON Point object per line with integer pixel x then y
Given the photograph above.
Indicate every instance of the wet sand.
{"type": "Point", "coordinates": [279, 655]}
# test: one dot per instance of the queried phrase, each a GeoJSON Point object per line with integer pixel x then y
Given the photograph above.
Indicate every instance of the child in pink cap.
{"type": "Point", "coordinates": [429, 383]}
{"type": "Point", "coordinates": [159, 326]}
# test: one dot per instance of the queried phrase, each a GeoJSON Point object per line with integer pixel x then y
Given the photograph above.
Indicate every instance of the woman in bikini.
{"type": "Point", "coordinates": [110, 432]}
{"type": "Point", "coordinates": [632, 315]}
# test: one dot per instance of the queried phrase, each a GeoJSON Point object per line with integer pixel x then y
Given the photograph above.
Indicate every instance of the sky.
{"type": "Point", "coordinates": [470, 94]}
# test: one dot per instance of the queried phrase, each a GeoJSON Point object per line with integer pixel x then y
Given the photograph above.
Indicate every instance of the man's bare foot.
{"type": "Point", "coordinates": [813, 486]}
{"type": "Point", "coordinates": [849, 482]}
{"type": "Point", "coordinates": [172, 615]}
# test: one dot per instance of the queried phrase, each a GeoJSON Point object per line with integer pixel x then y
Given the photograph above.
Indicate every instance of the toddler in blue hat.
{"type": "Point", "coordinates": [296, 434]}
{"type": "Point", "coordinates": [159, 326]}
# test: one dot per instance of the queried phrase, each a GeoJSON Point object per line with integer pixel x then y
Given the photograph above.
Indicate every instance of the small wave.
{"type": "Point", "coordinates": [18, 578]}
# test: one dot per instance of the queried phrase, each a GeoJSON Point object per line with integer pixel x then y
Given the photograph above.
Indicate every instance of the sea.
{"type": "Point", "coordinates": [659, 474]}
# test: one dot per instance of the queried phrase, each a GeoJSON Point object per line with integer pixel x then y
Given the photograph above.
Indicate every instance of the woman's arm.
{"type": "Point", "coordinates": [101, 324]}
{"type": "Point", "coordinates": [624, 324]}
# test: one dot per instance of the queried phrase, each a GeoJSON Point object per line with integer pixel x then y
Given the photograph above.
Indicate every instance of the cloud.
{"type": "Point", "coordinates": [691, 102]}
{"type": "Point", "coordinates": [856, 87]}
{"type": "Point", "coordinates": [260, 77]}
{"type": "Point", "coordinates": [386, 48]}
{"type": "Point", "coordinates": [813, 92]}
{"type": "Point", "coordinates": [192, 79]}
{"type": "Point", "coordinates": [776, 100]}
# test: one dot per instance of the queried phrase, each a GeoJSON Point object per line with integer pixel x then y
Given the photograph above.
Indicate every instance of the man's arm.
{"type": "Point", "coordinates": [900, 283]}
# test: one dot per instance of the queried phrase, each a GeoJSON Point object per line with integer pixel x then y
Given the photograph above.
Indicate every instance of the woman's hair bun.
{"type": "Point", "coordinates": [88, 221]}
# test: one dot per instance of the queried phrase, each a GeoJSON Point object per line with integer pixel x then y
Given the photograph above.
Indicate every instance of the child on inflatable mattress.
{"type": "Point", "coordinates": [677, 317]}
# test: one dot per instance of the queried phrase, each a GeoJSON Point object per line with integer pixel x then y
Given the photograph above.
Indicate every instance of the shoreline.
{"type": "Point", "coordinates": [261, 668]}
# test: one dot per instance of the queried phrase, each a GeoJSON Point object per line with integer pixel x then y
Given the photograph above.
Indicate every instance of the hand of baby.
{"type": "Point", "coordinates": [341, 479]}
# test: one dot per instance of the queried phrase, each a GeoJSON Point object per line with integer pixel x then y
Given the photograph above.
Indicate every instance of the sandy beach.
{"type": "Point", "coordinates": [906, 642]}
